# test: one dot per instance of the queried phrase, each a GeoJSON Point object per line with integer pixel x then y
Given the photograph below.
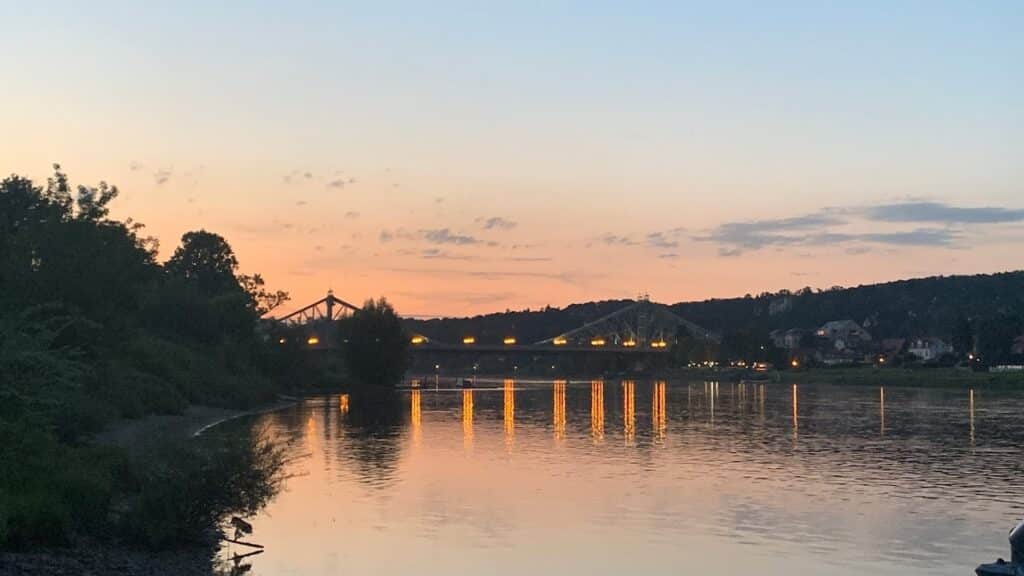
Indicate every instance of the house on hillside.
{"type": "Point", "coordinates": [928, 349]}
{"type": "Point", "coordinates": [844, 334]}
{"type": "Point", "coordinates": [788, 339]}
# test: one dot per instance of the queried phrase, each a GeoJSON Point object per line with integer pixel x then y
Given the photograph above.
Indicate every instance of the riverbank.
{"type": "Point", "coordinates": [97, 557]}
{"type": "Point", "coordinates": [910, 377]}
{"type": "Point", "coordinates": [193, 421]}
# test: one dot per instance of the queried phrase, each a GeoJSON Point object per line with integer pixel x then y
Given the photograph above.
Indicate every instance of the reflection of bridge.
{"type": "Point", "coordinates": [639, 327]}
{"type": "Point", "coordinates": [741, 398]}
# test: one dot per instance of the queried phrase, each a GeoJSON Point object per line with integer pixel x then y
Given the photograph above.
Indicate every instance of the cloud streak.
{"type": "Point", "coordinates": [937, 212]}
{"type": "Point", "coordinates": [445, 236]}
{"type": "Point", "coordinates": [496, 223]}
{"type": "Point", "coordinates": [828, 227]}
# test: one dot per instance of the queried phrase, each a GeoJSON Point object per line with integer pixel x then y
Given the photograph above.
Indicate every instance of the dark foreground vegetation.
{"type": "Point", "coordinates": [94, 330]}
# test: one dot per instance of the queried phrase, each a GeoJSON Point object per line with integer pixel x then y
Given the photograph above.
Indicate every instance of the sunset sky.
{"type": "Point", "coordinates": [469, 157]}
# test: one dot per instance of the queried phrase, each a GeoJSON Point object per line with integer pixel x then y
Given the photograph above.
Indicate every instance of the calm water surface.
{"type": "Point", "coordinates": [647, 477]}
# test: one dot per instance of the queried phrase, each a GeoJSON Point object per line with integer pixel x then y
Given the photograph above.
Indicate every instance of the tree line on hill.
{"type": "Point", "coordinates": [986, 309]}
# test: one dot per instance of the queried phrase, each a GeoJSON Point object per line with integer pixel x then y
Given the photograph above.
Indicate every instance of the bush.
{"type": "Point", "coordinates": [53, 491]}
{"type": "Point", "coordinates": [170, 495]}
{"type": "Point", "coordinates": [181, 490]}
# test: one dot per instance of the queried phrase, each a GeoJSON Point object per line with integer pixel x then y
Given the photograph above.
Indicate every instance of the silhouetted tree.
{"type": "Point", "coordinates": [206, 260]}
{"type": "Point", "coordinates": [262, 300]}
{"type": "Point", "coordinates": [375, 344]}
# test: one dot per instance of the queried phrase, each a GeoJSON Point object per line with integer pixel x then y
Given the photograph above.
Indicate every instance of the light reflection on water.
{"type": "Point", "coordinates": [712, 478]}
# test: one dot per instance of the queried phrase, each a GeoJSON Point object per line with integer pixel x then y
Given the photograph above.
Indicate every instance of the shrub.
{"type": "Point", "coordinates": [181, 490]}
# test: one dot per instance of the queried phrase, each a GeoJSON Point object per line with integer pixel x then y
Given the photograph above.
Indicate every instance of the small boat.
{"type": "Point", "coordinates": [1015, 567]}
{"type": "Point", "coordinates": [467, 383]}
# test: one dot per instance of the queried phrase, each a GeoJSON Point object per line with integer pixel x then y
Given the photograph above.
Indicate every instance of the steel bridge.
{"type": "Point", "coordinates": [639, 327]}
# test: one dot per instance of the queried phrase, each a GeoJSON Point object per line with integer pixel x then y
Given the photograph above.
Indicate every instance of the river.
{"type": "Point", "coordinates": [646, 477]}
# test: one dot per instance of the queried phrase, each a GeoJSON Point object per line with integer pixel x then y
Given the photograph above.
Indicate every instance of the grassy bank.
{"type": "Point", "coordinates": [938, 377]}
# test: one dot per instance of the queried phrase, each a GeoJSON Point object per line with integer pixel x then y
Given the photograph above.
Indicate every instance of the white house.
{"type": "Point", "coordinates": [928, 349]}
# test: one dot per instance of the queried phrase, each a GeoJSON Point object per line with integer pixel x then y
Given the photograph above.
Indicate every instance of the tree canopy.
{"type": "Point", "coordinates": [375, 344]}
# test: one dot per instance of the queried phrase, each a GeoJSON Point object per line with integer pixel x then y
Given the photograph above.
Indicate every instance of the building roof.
{"type": "Point", "coordinates": [927, 342]}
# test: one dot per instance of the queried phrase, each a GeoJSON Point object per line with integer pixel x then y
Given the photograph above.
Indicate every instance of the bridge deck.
{"type": "Point", "coordinates": [528, 349]}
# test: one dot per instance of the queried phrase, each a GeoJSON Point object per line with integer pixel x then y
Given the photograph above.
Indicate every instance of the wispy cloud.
{"type": "Point", "coordinates": [439, 254]}
{"type": "Point", "coordinates": [667, 240]}
{"type": "Point", "coordinates": [831, 227]}
{"type": "Point", "coordinates": [938, 212]}
{"type": "Point", "coordinates": [660, 240]}
{"type": "Point", "coordinates": [445, 236]}
{"type": "Point", "coordinates": [496, 223]}
{"type": "Point", "coordinates": [351, 215]}
{"type": "Point", "coordinates": [341, 182]}
{"type": "Point", "coordinates": [567, 276]}
{"type": "Point", "coordinates": [297, 175]}
{"type": "Point", "coordinates": [474, 298]}
{"type": "Point", "coordinates": [616, 240]}
{"type": "Point", "coordinates": [756, 234]}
